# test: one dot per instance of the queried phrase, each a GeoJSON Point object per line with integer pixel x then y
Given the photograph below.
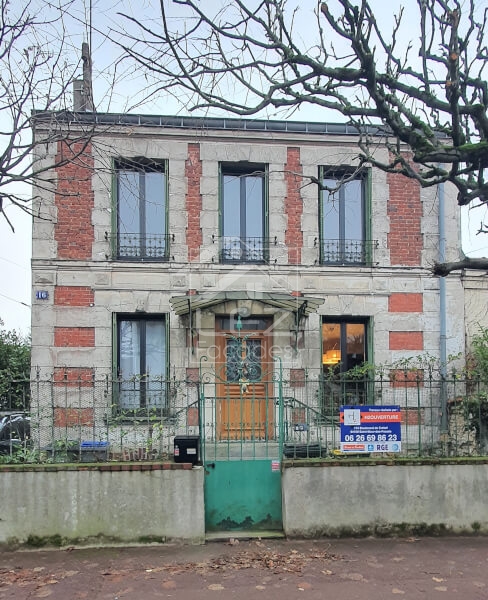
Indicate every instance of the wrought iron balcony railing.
{"type": "Point", "coordinates": [347, 252]}
{"type": "Point", "coordinates": [234, 249]}
{"type": "Point", "coordinates": [136, 246]}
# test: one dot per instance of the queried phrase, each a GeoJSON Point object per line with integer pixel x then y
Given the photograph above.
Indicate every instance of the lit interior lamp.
{"type": "Point", "coordinates": [331, 357]}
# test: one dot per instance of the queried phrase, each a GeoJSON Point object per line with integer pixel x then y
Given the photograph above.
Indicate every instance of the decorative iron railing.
{"type": "Point", "coordinates": [63, 419]}
{"type": "Point", "coordinates": [234, 249]}
{"type": "Point", "coordinates": [347, 252]}
{"type": "Point", "coordinates": [138, 247]}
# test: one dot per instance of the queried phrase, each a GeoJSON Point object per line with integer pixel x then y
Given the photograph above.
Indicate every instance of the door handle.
{"type": "Point", "coordinates": [210, 465]}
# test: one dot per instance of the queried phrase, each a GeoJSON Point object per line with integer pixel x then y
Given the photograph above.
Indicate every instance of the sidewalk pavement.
{"type": "Point", "coordinates": [349, 569]}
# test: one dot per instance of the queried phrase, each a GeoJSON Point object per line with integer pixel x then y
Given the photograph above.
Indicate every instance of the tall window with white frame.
{"type": "Point", "coordinates": [243, 222]}
{"type": "Point", "coordinates": [142, 224]}
{"type": "Point", "coordinates": [344, 351]}
{"type": "Point", "coordinates": [142, 364]}
{"type": "Point", "coordinates": [342, 213]}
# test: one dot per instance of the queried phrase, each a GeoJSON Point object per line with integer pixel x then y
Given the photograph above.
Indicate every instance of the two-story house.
{"type": "Point", "coordinates": [257, 251]}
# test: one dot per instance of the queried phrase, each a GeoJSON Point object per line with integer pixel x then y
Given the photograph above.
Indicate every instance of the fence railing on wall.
{"type": "Point", "coordinates": [100, 419]}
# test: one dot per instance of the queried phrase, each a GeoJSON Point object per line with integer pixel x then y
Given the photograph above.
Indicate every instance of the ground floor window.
{"type": "Point", "coordinates": [142, 362]}
{"type": "Point", "coordinates": [344, 350]}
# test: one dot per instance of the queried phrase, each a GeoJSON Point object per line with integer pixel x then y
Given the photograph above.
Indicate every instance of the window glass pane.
{"type": "Point", "coordinates": [353, 210]}
{"type": "Point", "coordinates": [155, 364]}
{"type": "Point", "coordinates": [334, 335]}
{"type": "Point", "coordinates": [141, 212]}
{"type": "Point", "coordinates": [142, 363]}
{"type": "Point", "coordinates": [155, 203]}
{"type": "Point", "coordinates": [155, 349]}
{"type": "Point", "coordinates": [345, 342]}
{"type": "Point", "coordinates": [129, 364]}
{"type": "Point", "coordinates": [243, 225]}
{"type": "Point", "coordinates": [128, 202]}
{"type": "Point", "coordinates": [356, 338]}
{"type": "Point", "coordinates": [330, 211]}
{"type": "Point", "coordinates": [129, 348]}
{"type": "Point", "coordinates": [331, 344]}
{"type": "Point", "coordinates": [254, 207]}
{"type": "Point", "coordinates": [231, 206]}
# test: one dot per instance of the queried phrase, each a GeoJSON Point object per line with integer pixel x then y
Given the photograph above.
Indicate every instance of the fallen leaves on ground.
{"type": "Point", "coordinates": [24, 577]}
{"type": "Point", "coordinates": [277, 562]}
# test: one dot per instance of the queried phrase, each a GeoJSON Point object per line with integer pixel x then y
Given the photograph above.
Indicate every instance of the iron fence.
{"type": "Point", "coordinates": [439, 416]}
{"type": "Point", "coordinates": [93, 420]}
{"type": "Point", "coordinates": [89, 420]}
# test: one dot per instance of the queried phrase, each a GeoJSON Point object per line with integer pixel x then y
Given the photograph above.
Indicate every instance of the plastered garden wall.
{"type": "Point", "coordinates": [143, 502]}
{"type": "Point", "coordinates": [385, 499]}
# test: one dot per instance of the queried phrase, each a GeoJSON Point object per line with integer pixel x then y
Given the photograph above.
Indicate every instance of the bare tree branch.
{"type": "Point", "coordinates": [250, 56]}
{"type": "Point", "coordinates": [477, 264]}
{"type": "Point", "coordinates": [36, 75]}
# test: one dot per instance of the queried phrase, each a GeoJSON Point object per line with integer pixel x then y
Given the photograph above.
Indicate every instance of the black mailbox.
{"type": "Point", "coordinates": [186, 449]}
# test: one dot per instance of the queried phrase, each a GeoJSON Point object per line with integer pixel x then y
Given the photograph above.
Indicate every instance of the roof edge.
{"type": "Point", "coordinates": [205, 123]}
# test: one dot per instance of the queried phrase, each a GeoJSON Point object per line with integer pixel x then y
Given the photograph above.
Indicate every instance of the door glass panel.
{"type": "Point", "coordinates": [252, 363]}
{"type": "Point", "coordinates": [233, 356]}
{"type": "Point", "coordinates": [247, 323]}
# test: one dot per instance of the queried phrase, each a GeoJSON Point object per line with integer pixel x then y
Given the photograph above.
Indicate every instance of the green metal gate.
{"type": "Point", "coordinates": [241, 424]}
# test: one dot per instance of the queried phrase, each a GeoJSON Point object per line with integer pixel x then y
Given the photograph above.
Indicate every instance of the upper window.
{"type": "Point", "coordinates": [141, 210]}
{"type": "Point", "coordinates": [342, 218]}
{"type": "Point", "coordinates": [141, 363]}
{"type": "Point", "coordinates": [243, 214]}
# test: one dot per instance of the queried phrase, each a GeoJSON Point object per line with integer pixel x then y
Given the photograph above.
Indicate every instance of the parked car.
{"type": "Point", "coordinates": [14, 432]}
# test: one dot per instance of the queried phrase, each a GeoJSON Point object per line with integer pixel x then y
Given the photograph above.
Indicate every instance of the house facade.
{"type": "Point", "coordinates": [172, 247]}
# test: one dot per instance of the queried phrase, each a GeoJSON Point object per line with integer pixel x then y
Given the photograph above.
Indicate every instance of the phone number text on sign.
{"type": "Point", "coordinates": [370, 429]}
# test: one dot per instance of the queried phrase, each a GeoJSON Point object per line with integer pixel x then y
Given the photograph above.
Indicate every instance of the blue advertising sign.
{"type": "Point", "coordinates": [371, 429]}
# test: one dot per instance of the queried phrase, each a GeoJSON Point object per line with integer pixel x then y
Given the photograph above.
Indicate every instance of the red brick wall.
{"type": "Point", "coordinates": [73, 295]}
{"type": "Point", "coordinates": [412, 416]}
{"type": "Point", "coordinates": [405, 303]}
{"type": "Point", "coordinates": [293, 206]}
{"type": "Point", "coordinates": [73, 417]}
{"type": "Point", "coordinates": [297, 377]}
{"type": "Point", "coordinates": [73, 377]}
{"type": "Point", "coordinates": [405, 239]}
{"type": "Point", "coordinates": [193, 172]}
{"type": "Point", "coordinates": [406, 340]}
{"type": "Point", "coordinates": [73, 230]}
{"type": "Point", "coordinates": [74, 337]}
{"type": "Point", "coordinates": [407, 378]}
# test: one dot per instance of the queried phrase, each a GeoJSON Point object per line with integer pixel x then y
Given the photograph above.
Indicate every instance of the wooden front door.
{"type": "Point", "coordinates": [245, 406]}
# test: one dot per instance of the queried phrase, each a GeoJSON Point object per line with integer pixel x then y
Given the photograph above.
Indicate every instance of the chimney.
{"type": "Point", "coordinates": [82, 88]}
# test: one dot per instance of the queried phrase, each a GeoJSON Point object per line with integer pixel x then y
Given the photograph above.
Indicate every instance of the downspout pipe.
{"type": "Point", "coordinates": [442, 310]}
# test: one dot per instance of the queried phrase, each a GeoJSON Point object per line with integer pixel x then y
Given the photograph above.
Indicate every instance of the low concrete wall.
{"type": "Point", "coordinates": [144, 504]}
{"type": "Point", "coordinates": [385, 499]}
